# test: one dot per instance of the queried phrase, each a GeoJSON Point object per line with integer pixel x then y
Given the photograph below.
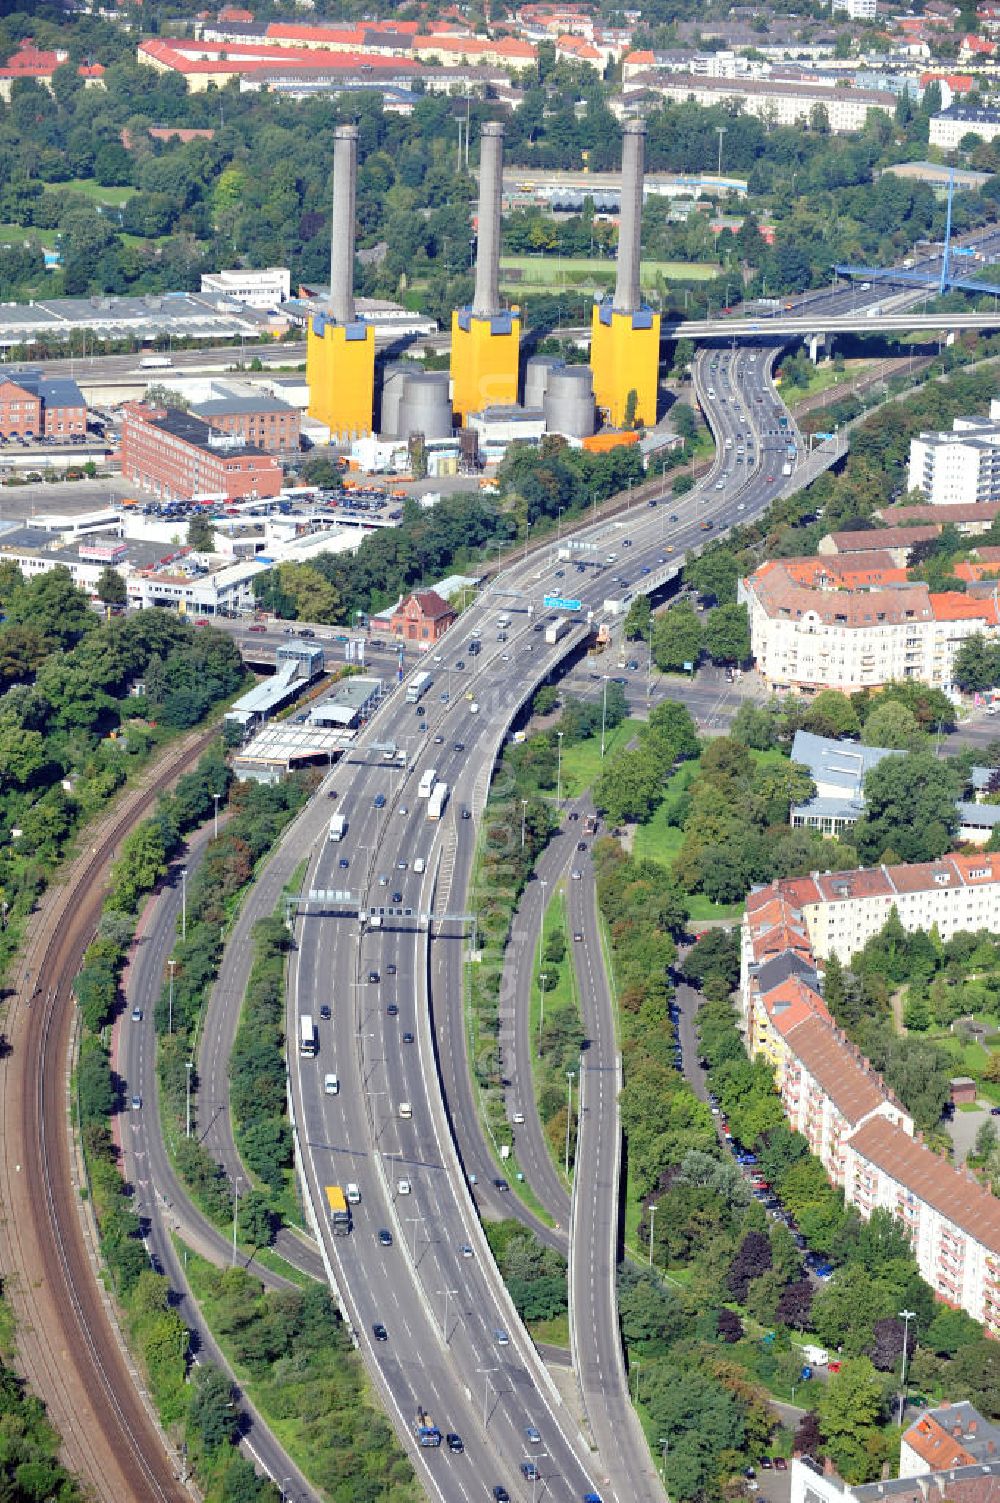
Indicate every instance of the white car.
{"type": "Point", "coordinates": [331, 1085]}
{"type": "Point", "coordinates": [517, 1118]}
{"type": "Point", "coordinates": [403, 1187]}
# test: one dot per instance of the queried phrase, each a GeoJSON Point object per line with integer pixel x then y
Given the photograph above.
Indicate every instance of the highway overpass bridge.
{"type": "Point", "coordinates": [819, 324]}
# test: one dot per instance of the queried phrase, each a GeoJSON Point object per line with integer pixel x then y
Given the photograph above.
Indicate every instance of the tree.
{"type": "Point", "coordinates": [638, 619]}
{"type": "Point", "coordinates": [729, 1326]}
{"type": "Point", "coordinates": [887, 1346]}
{"type": "Point", "coordinates": [808, 1439]}
{"type": "Point", "coordinates": [111, 588]}
{"type": "Point", "coordinates": [677, 638]}
{"type": "Point", "coordinates": [751, 1261]}
{"type": "Point", "coordinates": [909, 807]}
{"type": "Point", "coordinates": [977, 664]}
{"type": "Point", "coordinates": [795, 1305]}
{"type": "Point", "coordinates": [201, 533]}
{"type": "Point", "coordinates": [727, 634]}
{"type": "Point", "coordinates": [211, 1408]}
{"type": "Point", "coordinates": [892, 725]}
{"type": "Point", "coordinates": [850, 1407]}
{"type": "Point", "coordinates": [831, 714]}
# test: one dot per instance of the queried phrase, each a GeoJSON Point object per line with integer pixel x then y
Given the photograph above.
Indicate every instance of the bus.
{"type": "Point", "coordinates": [155, 363]}
{"type": "Point", "coordinates": [417, 687]}
{"type": "Point", "coordinates": [427, 782]}
{"type": "Point", "coordinates": [307, 1034]}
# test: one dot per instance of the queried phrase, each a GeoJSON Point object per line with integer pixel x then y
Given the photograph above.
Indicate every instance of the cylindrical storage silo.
{"type": "Point", "coordinates": [569, 402]}
{"type": "Point", "coordinates": [426, 406]}
{"type": "Point", "coordinates": [393, 386]}
{"type": "Point", "coordinates": [536, 378]}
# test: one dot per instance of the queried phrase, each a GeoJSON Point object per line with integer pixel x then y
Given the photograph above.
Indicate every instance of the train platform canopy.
{"type": "Point", "coordinates": [279, 749]}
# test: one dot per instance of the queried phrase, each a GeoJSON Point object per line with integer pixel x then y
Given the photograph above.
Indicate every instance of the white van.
{"type": "Point", "coordinates": [353, 1194]}
{"type": "Point", "coordinates": [331, 1085]}
{"type": "Point", "coordinates": [419, 864]}
{"type": "Point", "coordinates": [405, 1111]}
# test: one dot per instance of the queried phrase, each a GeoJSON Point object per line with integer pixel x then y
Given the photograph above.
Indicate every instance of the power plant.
{"type": "Point", "coordinates": [625, 334]}
{"type": "Point", "coordinates": [486, 338]}
{"type": "Point", "coordinates": [340, 348]}
{"type": "Point", "coordinates": [482, 394]}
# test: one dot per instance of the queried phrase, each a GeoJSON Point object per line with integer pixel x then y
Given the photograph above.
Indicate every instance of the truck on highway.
{"type": "Point", "coordinates": [155, 363]}
{"type": "Point", "coordinates": [307, 1034]}
{"type": "Point", "coordinates": [503, 619]}
{"type": "Point", "coordinates": [340, 1216]}
{"type": "Point", "coordinates": [556, 629]}
{"type": "Point", "coordinates": [786, 468]}
{"type": "Point", "coordinates": [437, 801]}
{"type": "Point", "coordinates": [427, 781]}
{"type": "Point", "coordinates": [417, 687]}
{"type": "Point", "coordinates": [338, 827]}
{"type": "Point", "coordinates": [428, 1433]}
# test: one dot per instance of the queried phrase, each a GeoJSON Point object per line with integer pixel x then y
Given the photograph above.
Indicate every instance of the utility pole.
{"type": "Point", "coordinates": [184, 902]}
{"type": "Point", "coordinates": [604, 714]}
{"type": "Point", "coordinates": [559, 734]}
{"type": "Point", "coordinates": [236, 1213]}
{"type": "Point", "coordinates": [720, 131]}
{"type": "Point", "coordinates": [652, 1231]}
{"type": "Point", "coordinates": [524, 812]}
{"type": "Point", "coordinates": [171, 963]}
{"type": "Point", "coordinates": [542, 978]}
{"type": "Point", "coordinates": [189, 1067]}
{"type": "Point", "coordinates": [216, 797]}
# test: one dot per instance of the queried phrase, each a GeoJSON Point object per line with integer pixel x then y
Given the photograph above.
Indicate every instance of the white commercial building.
{"type": "Point", "coordinates": [959, 468]}
{"type": "Point", "coordinates": [856, 10]}
{"type": "Point", "coordinates": [806, 636]}
{"type": "Point", "coordinates": [256, 289]}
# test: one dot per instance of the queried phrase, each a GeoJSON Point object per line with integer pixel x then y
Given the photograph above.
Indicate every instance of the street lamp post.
{"type": "Point", "coordinates": [216, 797]}
{"type": "Point", "coordinates": [184, 902]}
{"type": "Point", "coordinates": [236, 1213]}
{"type": "Point", "coordinates": [170, 996]}
{"type": "Point", "coordinates": [527, 531]}
{"type": "Point", "coordinates": [559, 734]}
{"type": "Point", "coordinates": [542, 978]}
{"type": "Point", "coordinates": [189, 1067]}
{"type": "Point", "coordinates": [485, 1371]}
{"type": "Point", "coordinates": [448, 1294]}
{"type": "Point", "coordinates": [652, 1231]}
{"type": "Point", "coordinates": [524, 813]}
{"type": "Point", "coordinates": [665, 1443]}
{"type": "Point", "coordinates": [720, 131]}
{"type": "Point", "coordinates": [604, 714]}
{"type": "Point", "coordinates": [414, 1221]}
{"type": "Point", "coordinates": [569, 1112]}
{"type": "Point", "coordinates": [905, 1316]}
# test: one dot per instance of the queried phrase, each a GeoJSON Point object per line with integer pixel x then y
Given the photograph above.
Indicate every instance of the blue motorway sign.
{"type": "Point", "coordinates": [557, 603]}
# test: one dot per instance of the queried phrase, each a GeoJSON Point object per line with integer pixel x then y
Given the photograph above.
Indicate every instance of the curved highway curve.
{"type": "Point", "coordinates": [71, 1355]}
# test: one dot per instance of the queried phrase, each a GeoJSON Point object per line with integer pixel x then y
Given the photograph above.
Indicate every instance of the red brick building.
{"type": "Point", "coordinates": [421, 617]}
{"type": "Point", "coordinates": [258, 419]}
{"type": "Point", "coordinates": [178, 456]}
{"type": "Point", "coordinates": [30, 405]}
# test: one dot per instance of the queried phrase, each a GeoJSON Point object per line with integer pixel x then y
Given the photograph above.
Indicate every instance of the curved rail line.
{"type": "Point", "coordinates": [58, 1258]}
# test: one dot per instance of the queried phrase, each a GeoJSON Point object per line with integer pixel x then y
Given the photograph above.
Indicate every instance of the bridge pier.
{"type": "Point", "coordinates": [819, 346]}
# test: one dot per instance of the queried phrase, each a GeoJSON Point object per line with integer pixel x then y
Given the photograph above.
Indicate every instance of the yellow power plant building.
{"type": "Point", "coordinates": [486, 339]}
{"type": "Point", "coordinates": [625, 334]}
{"type": "Point", "coordinates": [340, 349]}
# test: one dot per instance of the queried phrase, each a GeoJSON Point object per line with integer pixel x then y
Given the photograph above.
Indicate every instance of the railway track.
{"type": "Point", "coordinates": [72, 1357]}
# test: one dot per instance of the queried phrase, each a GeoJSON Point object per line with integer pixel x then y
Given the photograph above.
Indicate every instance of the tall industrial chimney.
{"type": "Point", "coordinates": [627, 297]}
{"type": "Point", "coordinates": [486, 301]}
{"type": "Point", "coordinates": [345, 172]}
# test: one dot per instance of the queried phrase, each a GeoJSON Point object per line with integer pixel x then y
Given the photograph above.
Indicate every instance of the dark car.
{"type": "Point", "coordinates": [455, 1443]}
{"type": "Point", "coordinates": [373, 976]}
{"type": "Point", "coordinates": [500, 1494]}
{"type": "Point", "coordinates": [460, 746]}
{"type": "Point", "coordinates": [384, 1237]}
{"type": "Point", "coordinates": [397, 897]}
{"type": "Point", "coordinates": [392, 1011]}
{"type": "Point", "coordinates": [581, 845]}
{"type": "Point", "coordinates": [466, 813]}
{"type": "Point", "coordinates": [379, 1331]}
{"type": "Point", "coordinates": [390, 969]}
{"type": "Point", "coordinates": [766, 1463]}
{"type": "Point", "coordinates": [529, 1471]}
{"type": "Point", "coordinates": [460, 663]}
{"type": "Point", "coordinates": [407, 1038]}
{"type": "Point", "coordinates": [343, 863]}
{"type": "Point", "coordinates": [324, 1013]}
{"type": "Point", "coordinates": [501, 1185]}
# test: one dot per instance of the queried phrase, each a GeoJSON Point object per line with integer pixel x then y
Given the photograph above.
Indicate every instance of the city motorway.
{"type": "Point", "coordinates": [443, 1306]}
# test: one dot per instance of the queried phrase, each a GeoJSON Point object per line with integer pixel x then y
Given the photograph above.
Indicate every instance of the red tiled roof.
{"type": "Point", "coordinates": [431, 604]}
{"type": "Point", "coordinates": [831, 1062]}
{"type": "Point", "coordinates": [883, 537]}
{"type": "Point", "coordinates": [974, 511]}
{"type": "Point", "coordinates": [933, 1444]}
{"type": "Point", "coordinates": [953, 1194]}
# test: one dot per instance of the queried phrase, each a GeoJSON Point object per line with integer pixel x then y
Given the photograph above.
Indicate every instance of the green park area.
{"type": "Point", "coordinates": [552, 272]}
{"type": "Point", "coordinates": [582, 760]}
{"type": "Point", "coordinates": [556, 1028]}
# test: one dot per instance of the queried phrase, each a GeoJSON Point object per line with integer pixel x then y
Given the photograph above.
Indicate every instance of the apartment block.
{"type": "Point", "coordinates": [778, 101]}
{"type": "Point", "coordinates": [179, 457]}
{"type": "Point", "coordinates": [860, 1132]}
{"type": "Point", "coordinates": [268, 288]}
{"type": "Point", "coordinates": [957, 468]}
{"type": "Point", "coordinates": [948, 128]}
{"type": "Point", "coordinates": [813, 627]}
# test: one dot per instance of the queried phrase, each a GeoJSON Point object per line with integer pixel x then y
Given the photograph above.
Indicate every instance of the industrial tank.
{"type": "Point", "coordinates": [393, 384]}
{"type": "Point", "coordinates": [569, 402]}
{"type": "Point", "coordinates": [426, 406]}
{"type": "Point", "coordinates": [536, 378]}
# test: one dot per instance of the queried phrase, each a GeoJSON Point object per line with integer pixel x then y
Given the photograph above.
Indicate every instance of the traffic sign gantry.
{"type": "Point", "coordinates": [557, 603]}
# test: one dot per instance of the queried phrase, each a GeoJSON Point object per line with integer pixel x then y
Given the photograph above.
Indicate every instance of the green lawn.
{"type": "Point", "coordinates": [95, 191]}
{"type": "Point", "coordinates": [661, 842]}
{"type": "Point", "coordinates": [20, 231]}
{"type": "Point", "coordinates": [562, 998]}
{"type": "Point", "coordinates": [553, 271]}
{"type": "Point", "coordinates": [554, 1332]}
{"type": "Point", "coordinates": [581, 763]}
